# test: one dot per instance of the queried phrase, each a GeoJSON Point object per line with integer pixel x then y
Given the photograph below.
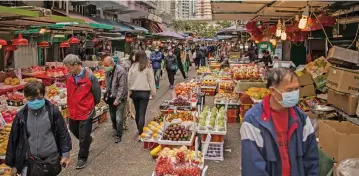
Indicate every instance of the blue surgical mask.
{"type": "Point", "coordinates": [290, 99]}
{"type": "Point", "coordinates": [36, 104]}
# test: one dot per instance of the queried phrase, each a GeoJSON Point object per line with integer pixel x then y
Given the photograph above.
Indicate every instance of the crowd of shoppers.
{"type": "Point", "coordinates": [130, 84]}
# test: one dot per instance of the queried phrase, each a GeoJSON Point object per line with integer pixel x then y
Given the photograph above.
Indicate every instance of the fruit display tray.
{"type": "Point", "coordinates": [214, 131]}
{"type": "Point", "coordinates": [179, 143]}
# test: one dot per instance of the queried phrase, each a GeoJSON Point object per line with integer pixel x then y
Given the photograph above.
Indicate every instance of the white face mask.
{"type": "Point", "coordinates": [170, 53]}
{"type": "Point", "coordinates": [289, 99]}
{"type": "Point", "coordinates": [156, 50]}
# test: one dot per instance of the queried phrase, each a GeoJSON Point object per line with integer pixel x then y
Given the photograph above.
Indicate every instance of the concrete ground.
{"type": "Point", "coordinates": [129, 158]}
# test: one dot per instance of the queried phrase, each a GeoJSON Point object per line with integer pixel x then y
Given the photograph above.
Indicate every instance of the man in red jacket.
{"type": "Point", "coordinates": [83, 93]}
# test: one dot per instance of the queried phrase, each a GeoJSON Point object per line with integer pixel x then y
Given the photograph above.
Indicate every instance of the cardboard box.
{"type": "Point", "coordinates": [305, 79]}
{"type": "Point", "coordinates": [339, 139]}
{"type": "Point", "coordinates": [307, 91]}
{"type": "Point", "coordinates": [343, 54]}
{"type": "Point", "coordinates": [343, 80]}
{"type": "Point", "coordinates": [345, 102]}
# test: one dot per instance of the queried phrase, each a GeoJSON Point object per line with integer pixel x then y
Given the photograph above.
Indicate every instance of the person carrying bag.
{"type": "Point", "coordinates": [107, 96]}
{"type": "Point", "coordinates": [37, 167]}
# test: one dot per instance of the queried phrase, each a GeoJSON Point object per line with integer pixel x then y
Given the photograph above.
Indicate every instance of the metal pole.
{"type": "Point", "coordinates": [67, 7]}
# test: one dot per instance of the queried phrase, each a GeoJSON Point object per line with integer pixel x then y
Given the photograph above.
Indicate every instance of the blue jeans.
{"type": "Point", "coordinates": [157, 73]}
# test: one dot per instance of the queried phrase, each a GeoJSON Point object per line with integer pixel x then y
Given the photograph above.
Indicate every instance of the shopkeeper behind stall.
{"type": "Point", "coordinates": [277, 137]}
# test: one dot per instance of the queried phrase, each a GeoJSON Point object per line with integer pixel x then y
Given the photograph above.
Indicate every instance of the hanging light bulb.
{"type": "Point", "coordinates": [273, 41]}
{"type": "Point", "coordinates": [279, 29]}
{"type": "Point", "coordinates": [283, 35]}
{"type": "Point", "coordinates": [304, 20]}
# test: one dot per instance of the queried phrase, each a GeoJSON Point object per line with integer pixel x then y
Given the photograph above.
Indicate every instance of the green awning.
{"type": "Point", "coordinates": [117, 26]}
{"type": "Point", "coordinates": [101, 26]}
{"type": "Point", "coordinates": [29, 31]}
{"type": "Point", "coordinates": [66, 19]}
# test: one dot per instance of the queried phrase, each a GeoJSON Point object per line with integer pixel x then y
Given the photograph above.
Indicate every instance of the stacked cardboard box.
{"type": "Point", "coordinates": [306, 83]}
{"type": "Point", "coordinates": [343, 83]}
{"type": "Point", "coordinates": [339, 139]}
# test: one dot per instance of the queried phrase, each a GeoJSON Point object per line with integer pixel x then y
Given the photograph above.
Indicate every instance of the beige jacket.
{"type": "Point", "coordinates": [141, 80]}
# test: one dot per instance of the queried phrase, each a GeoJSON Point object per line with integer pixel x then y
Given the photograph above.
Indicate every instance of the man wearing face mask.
{"type": "Point", "coordinates": [116, 95]}
{"type": "Point", "coordinates": [83, 94]}
{"type": "Point", "coordinates": [177, 52]}
{"type": "Point", "coordinates": [38, 134]}
{"type": "Point", "coordinates": [171, 67]}
{"type": "Point", "coordinates": [277, 137]}
{"type": "Point", "coordinates": [156, 61]}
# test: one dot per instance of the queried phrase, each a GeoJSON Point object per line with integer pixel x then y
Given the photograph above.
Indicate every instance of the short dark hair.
{"type": "Point", "coordinates": [32, 89]}
{"type": "Point", "coordinates": [276, 76]}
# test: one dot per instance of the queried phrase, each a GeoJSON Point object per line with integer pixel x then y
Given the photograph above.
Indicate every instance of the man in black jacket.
{"type": "Point", "coordinates": [45, 129]}
{"type": "Point", "coordinates": [177, 53]}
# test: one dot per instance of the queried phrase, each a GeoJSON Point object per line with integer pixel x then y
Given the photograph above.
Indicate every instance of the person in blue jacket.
{"type": "Point", "coordinates": [277, 137]}
{"type": "Point", "coordinates": [156, 60]}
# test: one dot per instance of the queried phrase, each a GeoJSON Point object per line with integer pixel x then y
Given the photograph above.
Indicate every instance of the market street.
{"type": "Point", "coordinates": [130, 159]}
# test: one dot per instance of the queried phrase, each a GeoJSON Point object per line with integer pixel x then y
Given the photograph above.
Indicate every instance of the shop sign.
{"type": "Point", "coordinates": [154, 17]}
{"type": "Point", "coordinates": [264, 46]}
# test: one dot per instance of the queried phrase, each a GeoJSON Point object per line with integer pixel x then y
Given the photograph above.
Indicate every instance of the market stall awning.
{"type": "Point", "coordinates": [75, 15]}
{"type": "Point", "coordinates": [101, 26]}
{"type": "Point", "coordinates": [137, 28]}
{"type": "Point", "coordinates": [118, 27]}
{"type": "Point", "coordinates": [169, 34]}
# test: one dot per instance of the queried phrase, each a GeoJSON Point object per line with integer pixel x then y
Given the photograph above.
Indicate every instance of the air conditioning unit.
{"type": "Point", "coordinates": [46, 12]}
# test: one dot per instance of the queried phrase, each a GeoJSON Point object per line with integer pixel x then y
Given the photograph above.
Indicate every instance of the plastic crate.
{"type": "Point", "coordinates": [215, 151]}
{"type": "Point", "coordinates": [150, 145]}
{"type": "Point", "coordinates": [231, 119]}
{"type": "Point", "coordinates": [214, 138]}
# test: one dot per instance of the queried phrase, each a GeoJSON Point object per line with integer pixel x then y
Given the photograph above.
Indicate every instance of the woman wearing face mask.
{"type": "Point", "coordinates": [38, 134]}
{"type": "Point", "coordinates": [141, 82]}
{"type": "Point", "coordinates": [281, 129]}
{"type": "Point", "coordinates": [171, 67]}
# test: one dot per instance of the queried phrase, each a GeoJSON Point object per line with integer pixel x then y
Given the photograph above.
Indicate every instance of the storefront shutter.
{"type": "Point", "coordinates": [25, 56]}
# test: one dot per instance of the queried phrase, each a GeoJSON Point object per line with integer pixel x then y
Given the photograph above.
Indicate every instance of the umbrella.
{"type": "Point", "coordinates": [170, 34]}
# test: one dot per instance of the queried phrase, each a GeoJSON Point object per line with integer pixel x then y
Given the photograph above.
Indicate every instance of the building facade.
{"type": "Point", "coordinates": [183, 9]}
{"type": "Point", "coordinates": [203, 10]}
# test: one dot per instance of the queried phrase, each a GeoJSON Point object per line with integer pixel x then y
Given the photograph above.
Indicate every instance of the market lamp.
{"type": "Point", "coordinates": [65, 44]}
{"type": "Point", "coordinates": [304, 20]}
{"type": "Point", "coordinates": [74, 40]}
{"type": "Point", "coordinates": [43, 44]}
{"type": "Point", "coordinates": [20, 41]}
{"type": "Point", "coordinates": [2, 43]}
{"type": "Point", "coordinates": [279, 29]}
